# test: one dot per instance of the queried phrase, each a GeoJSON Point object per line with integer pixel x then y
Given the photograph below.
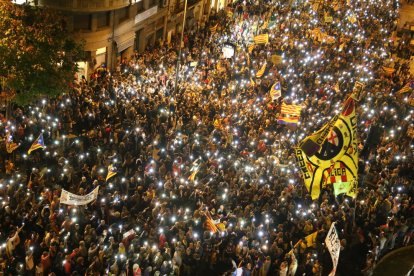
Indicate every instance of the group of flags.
{"type": "Point", "coordinates": [332, 242]}
{"type": "Point", "coordinates": [12, 146]}
{"type": "Point", "coordinates": [320, 36]}
{"type": "Point", "coordinates": [330, 155]}
{"type": "Point", "coordinates": [39, 143]}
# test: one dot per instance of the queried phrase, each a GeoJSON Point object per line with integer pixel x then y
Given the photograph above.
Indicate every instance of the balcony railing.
{"type": "Point", "coordinates": [85, 5]}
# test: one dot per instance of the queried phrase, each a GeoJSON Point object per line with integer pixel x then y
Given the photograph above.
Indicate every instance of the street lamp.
{"type": "Point", "coordinates": [177, 68]}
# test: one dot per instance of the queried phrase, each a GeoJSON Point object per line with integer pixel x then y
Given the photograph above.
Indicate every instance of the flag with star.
{"type": "Point", "coordinates": [10, 145]}
{"type": "Point", "coordinates": [275, 91]}
{"type": "Point", "coordinates": [37, 144]}
{"type": "Point", "coordinates": [408, 87]}
{"type": "Point", "coordinates": [111, 172]}
{"type": "Point", "coordinates": [337, 156]}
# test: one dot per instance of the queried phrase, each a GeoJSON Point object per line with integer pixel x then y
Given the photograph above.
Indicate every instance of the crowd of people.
{"type": "Point", "coordinates": [212, 146]}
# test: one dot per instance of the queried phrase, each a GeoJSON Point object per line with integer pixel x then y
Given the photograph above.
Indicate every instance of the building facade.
{"type": "Point", "coordinates": [114, 29]}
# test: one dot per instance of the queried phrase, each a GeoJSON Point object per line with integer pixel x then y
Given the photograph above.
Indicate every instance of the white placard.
{"type": "Point", "coordinates": [228, 51]}
{"type": "Point", "coordinates": [334, 246]}
{"type": "Point", "coordinates": [72, 199]}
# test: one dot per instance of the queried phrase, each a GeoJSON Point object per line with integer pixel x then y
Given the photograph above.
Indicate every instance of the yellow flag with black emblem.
{"type": "Point", "coordinates": [337, 155]}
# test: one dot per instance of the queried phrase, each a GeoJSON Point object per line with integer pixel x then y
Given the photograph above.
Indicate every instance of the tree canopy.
{"type": "Point", "coordinates": [37, 54]}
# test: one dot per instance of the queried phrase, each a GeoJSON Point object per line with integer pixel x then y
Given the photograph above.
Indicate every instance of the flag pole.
{"type": "Point", "coordinates": [177, 68]}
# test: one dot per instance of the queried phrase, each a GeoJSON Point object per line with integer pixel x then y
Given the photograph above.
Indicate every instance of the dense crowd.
{"type": "Point", "coordinates": [213, 147]}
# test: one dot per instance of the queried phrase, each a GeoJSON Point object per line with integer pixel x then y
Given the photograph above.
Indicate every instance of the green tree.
{"type": "Point", "coordinates": [37, 54]}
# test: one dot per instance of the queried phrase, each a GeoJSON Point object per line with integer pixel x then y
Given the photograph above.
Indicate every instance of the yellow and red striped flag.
{"type": "Point", "coordinates": [210, 225]}
{"type": "Point", "coordinates": [261, 39]}
{"type": "Point", "coordinates": [250, 48]}
{"type": "Point", "coordinates": [262, 70]}
{"type": "Point", "coordinates": [289, 114]}
{"type": "Point", "coordinates": [193, 174]}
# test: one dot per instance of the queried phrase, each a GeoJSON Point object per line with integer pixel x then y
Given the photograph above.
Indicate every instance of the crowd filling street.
{"type": "Point", "coordinates": [212, 150]}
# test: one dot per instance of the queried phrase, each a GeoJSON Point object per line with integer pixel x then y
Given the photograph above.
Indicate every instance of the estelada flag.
{"type": "Point", "coordinates": [406, 88]}
{"type": "Point", "coordinates": [340, 145]}
{"type": "Point", "coordinates": [262, 70]}
{"type": "Point", "coordinates": [10, 145]}
{"type": "Point", "coordinates": [261, 39]}
{"type": "Point", "coordinates": [111, 172]}
{"type": "Point", "coordinates": [37, 144]}
{"type": "Point", "coordinates": [194, 170]}
{"type": "Point", "coordinates": [275, 91]}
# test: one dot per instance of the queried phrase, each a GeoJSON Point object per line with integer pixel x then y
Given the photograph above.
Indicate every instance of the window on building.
{"type": "Point", "coordinates": [81, 22]}
{"type": "Point", "coordinates": [103, 19]}
{"type": "Point", "coordinates": [123, 14]}
{"type": "Point", "coordinates": [140, 7]}
{"type": "Point", "coordinates": [160, 22]}
{"type": "Point", "coordinates": [153, 3]}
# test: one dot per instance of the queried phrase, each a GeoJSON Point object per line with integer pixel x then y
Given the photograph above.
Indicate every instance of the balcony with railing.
{"type": "Point", "coordinates": [86, 5]}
